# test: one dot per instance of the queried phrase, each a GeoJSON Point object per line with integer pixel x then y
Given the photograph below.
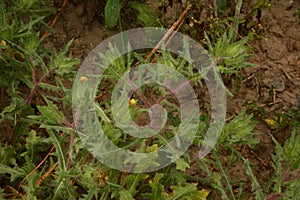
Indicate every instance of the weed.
{"type": "Point", "coordinates": [42, 156]}
{"type": "Point", "coordinates": [146, 16]}
{"type": "Point", "coordinates": [230, 57]}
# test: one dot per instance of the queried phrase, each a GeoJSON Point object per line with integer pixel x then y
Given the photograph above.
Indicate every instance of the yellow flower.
{"type": "Point", "coordinates": [270, 121]}
{"type": "Point", "coordinates": [2, 42]}
{"type": "Point", "coordinates": [132, 101]}
{"type": "Point", "coordinates": [83, 79]}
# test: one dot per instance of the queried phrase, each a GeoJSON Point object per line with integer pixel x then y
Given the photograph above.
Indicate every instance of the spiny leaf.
{"type": "Point", "coordinates": [292, 189]}
{"type": "Point", "coordinates": [157, 191]}
{"type": "Point", "coordinates": [132, 181]}
{"type": "Point", "coordinates": [256, 188]}
{"type": "Point", "coordinates": [182, 164]}
{"type": "Point", "coordinates": [14, 172]}
{"type": "Point", "coordinates": [187, 192]}
{"type": "Point", "coordinates": [239, 131]}
{"type": "Point", "coordinates": [61, 62]}
{"type": "Point", "coordinates": [7, 155]}
{"type": "Point", "coordinates": [59, 149]}
{"type": "Point", "coordinates": [91, 193]}
{"type": "Point", "coordinates": [51, 114]}
{"type": "Point", "coordinates": [31, 142]}
{"type": "Point", "coordinates": [146, 15]}
{"type": "Point", "coordinates": [125, 195]}
{"type": "Point", "coordinates": [277, 165]}
{"type": "Point", "coordinates": [292, 151]}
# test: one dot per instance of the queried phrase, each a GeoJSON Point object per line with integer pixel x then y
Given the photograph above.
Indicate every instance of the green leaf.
{"type": "Point", "coordinates": [51, 114]}
{"type": "Point", "coordinates": [10, 111]}
{"type": "Point", "coordinates": [239, 131]}
{"type": "Point", "coordinates": [61, 62]}
{"type": "Point", "coordinates": [220, 167]}
{"type": "Point", "coordinates": [277, 166]}
{"type": "Point", "coordinates": [125, 195]}
{"type": "Point", "coordinates": [132, 181]}
{"type": "Point", "coordinates": [157, 191]}
{"type": "Point", "coordinates": [15, 172]}
{"type": "Point", "coordinates": [144, 162]}
{"type": "Point", "coordinates": [116, 64]}
{"type": "Point", "coordinates": [182, 164]}
{"type": "Point", "coordinates": [30, 186]}
{"type": "Point", "coordinates": [221, 6]}
{"type": "Point", "coordinates": [147, 16]}
{"type": "Point", "coordinates": [63, 187]}
{"type": "Point", "coordinates": [217, 184]}
{"type": "Point", "coordinates": [91, 193]}
{"type": "Point", "coordinates": [185, 192]}
{"type": "Point", "coordinates": [31, 142]}
{"type": "Point", "coordinates": [200, 195]}
{"type": "Point", "coordinates": [292, 189]}
{"type": "Point", "coordinates": [256, 187]}
{"type": "Point", "coordinates": [7, 155]}
{"type": "Point", "coordinates": [291, 150]}
{"type": "Point", "coordinates": [230, 56]}
{"type": "Point", "coordinates": [59, 149]}
{"type": "Point", "coordinates": [1, 193]}
{"type": "Point", "coordinates": [112, 12]}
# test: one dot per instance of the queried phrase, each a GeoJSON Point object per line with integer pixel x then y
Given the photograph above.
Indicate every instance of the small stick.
{"type": "Point", "coordinates": [248, 78]}
{"type": "Point", "coordinates": [259, 158]}
{"type": "Point", "coordinates": [274, 95]}
{"type": "Point", "coordinates": [178, 22]}
{"type": "Point", "coordinates": [46, 174]}
{"type": "Point", "coordinates": [270, 104]}
{"type": "Point", "coordinates": [53, 22]}
{"type": "Point", "coordinates": [181, 17]}
{"type": "Point", "coordinates": [215, 8]}
{"type": "Point", "coordinates": [168, 36]}
{"type": "Point", "coordinates": [32, 171]}
{"type": "Point", "coordinates": [169, 39]}
{"type": "Point", "coordinates": [44, 159]}
{"type": "Point", "coordinates": [286, 74]}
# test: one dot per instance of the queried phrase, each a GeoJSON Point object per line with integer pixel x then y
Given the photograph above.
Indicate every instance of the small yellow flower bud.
{"type": "Point", "coordinates": [2, 42]}
{"type": "Point", "coordinates": [132, 101]}
{"type": "Point", "coordinates": [270, 121]}
{"type": "Point", "coordinates": [83, 79]}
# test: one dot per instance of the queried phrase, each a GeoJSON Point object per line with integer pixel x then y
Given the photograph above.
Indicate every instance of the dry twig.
{"type": "Point", "coordinates": [53, 22]}
{"type": "Point", "coordinates": [175, 25]}
{"type": "Point", "coordinates": [46, 174]}
{"type": "Point", "coordinates": [44, 159]}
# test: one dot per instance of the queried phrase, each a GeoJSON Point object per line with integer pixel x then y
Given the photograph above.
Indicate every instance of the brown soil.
{"type": "Point", "coordinates": [273, 84]}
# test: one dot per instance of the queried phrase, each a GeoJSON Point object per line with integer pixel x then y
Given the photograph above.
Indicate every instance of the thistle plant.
{"type": "Point", "coordinates": [43, 156]}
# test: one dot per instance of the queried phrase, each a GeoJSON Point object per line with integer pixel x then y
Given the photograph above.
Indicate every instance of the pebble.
{"type": "Point", "coordinates": [278, 86]}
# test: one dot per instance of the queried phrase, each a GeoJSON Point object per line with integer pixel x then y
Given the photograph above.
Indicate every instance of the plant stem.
{"type": "Point", "coordinates": [236, 19]}
{"type": "Point", "coordinates": [36, 84]}
{"type": "Point", "coordinates": [215, 8]}
{"type": "Point", "coordinates": [219, 165]}
{"type": "Point", "coordinates": [28, 99]}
